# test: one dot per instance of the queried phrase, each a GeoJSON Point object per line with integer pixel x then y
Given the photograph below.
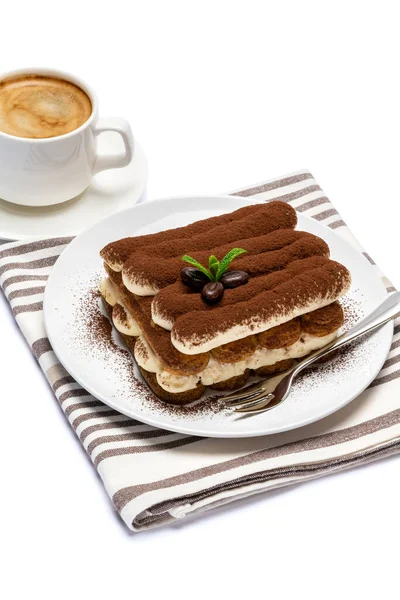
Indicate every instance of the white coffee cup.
{"type": "Point", "coordinates": [44, 171]}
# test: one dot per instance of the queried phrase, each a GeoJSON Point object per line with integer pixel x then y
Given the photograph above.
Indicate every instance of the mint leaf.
{"type": "Point", "coordinates": [226, 261]}
{"type": "Point", "coordinates": [213, 264]}
{"type": "Point", "coordinates": [196, 264]}
{"type": "Point", "coordinates": [216, 268]}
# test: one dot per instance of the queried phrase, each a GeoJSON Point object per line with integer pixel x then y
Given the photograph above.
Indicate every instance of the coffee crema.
{"type": "Point", "coordinates": [41, 106]}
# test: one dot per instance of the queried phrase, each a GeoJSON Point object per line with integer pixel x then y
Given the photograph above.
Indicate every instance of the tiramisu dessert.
{"type": "Point", "coordinates": [209, 304]}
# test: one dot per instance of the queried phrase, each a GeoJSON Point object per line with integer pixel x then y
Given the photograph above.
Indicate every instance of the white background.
{"type": "Point", "coordinates": [221, 95]}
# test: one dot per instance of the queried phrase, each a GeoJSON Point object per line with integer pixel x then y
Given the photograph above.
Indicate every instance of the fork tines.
{"type": "Point", "coordinates": [247, 398]}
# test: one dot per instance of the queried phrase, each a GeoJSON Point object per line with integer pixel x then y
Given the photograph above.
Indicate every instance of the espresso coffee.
{"type": "Point", "coordinates": [40, 106]}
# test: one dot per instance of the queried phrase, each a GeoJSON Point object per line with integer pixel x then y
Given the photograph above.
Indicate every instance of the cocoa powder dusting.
{"type": "Point", "coordinates": [94, 331]}
{"type": "Point", "coordinates": [120, 314]}
{"type": "Point", "coordinates": [99, 325]}
{"type": "Point", "coordinates": [178, 299]}
{"type": "Point", "coordinates": [280, 215]}
{"type": "Point", "coordinates": [264, 253]}
{"type": "Point", "coordinates": [95, 336]}
{"type": "Point", "coordinates": [299, 292]}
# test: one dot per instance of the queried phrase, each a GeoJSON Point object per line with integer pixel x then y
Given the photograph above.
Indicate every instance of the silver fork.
{"type": "Point", "coordinates": [259, 397]}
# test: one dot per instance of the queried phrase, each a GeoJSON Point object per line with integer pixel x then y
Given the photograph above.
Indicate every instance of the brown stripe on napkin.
{"type": "Point", "coordinates": [325, 214]}
{"type": "Point", "coordinates": [312, 204]}
{"type": "Point", "coordinates": [293, 195]}
{"type": "Point", "coordinates": [337, 224]}
{"type": "Point", "coordinates": [110, 425]}
{"type": "Point", "coordinates": [34, 246]}
{"type": "Point", "coordinates": [24, 308]}
{"type": "Point", "coordinates": [88, 404]}
{"type": "Point", "coordinates": [57, 376]}
{"type": "Point", "coordinates": [93, 415]}
{"type": "Point", "coordinates": [129, 436]}
{"type": "Point", "coordinates": [40, 347]}
{"type": "Point", "coordinates": [62, 381]}
{"type": "Point", "coordinates": [33, 264]}
{"type": "Point", "coordinates": [139, 449]}
{"type": "Point", "coordinates": [25, 293]}
{"type": "Point", "coordinates": [391, 361]}
{"type": "Point", "coordinates": [369, 258]}
{"type": "Point", "coordinates": [124, 496]}
{"type": "Point", "coordinates": [385, 378]}
{"type": "Point", "coordinates": [75, 393]}
{"type": "Point", "coordinates": [21, 278]}
{"type": "Point", "coordinates": [274, 185]}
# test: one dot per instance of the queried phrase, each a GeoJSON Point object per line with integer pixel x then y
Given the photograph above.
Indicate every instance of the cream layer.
{"type": "Point", "coordinates": [252, 327]}
{"type": "Point", "coordinates": [121, 318]}
{"type": "Point", "coordinates": [109, 292]}
{"type": "Point", "coordinates": [139, 288]}
{"type": "Point", "coordinates": [215, 371]}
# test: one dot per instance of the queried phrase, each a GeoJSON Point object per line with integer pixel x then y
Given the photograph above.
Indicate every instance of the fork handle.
{"type": "Point", "coordinates": [384, 313]}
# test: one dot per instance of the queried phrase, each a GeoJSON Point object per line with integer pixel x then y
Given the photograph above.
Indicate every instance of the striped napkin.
{"type": "Point", "coordinates": [154, 477]}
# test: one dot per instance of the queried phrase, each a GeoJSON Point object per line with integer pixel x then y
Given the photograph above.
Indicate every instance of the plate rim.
{"type": "Point", "coordinates": [147, 419]}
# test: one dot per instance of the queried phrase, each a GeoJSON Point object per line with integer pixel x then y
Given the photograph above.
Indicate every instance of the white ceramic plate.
{"type": "Point", "coordinates": [318, 394]}
{"type": "Point", "coordinates": [109, 192]}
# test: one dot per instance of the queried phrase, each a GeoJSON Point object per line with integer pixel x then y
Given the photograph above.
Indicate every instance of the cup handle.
{"type": "Point", "coordinates": [114, 161]}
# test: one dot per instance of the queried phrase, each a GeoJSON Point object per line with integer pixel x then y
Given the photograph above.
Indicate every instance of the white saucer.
{"type": "Point", "coordinates": [109, 192]}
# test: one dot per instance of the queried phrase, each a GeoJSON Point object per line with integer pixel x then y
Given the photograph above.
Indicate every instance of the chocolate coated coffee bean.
{"type": "Point", "coordinates": [194, 278]}
{"type": "Point", "coordinates": [233, 279]}
{"type": "Point", "coordinates": [212, 292]}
